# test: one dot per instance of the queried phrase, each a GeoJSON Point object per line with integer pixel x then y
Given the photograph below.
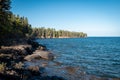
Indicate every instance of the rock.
{"type": "Point", "coordinates": [5, 55]}
{"type": "Point", "coordinates": [44, 64]}
{"type": "Point", "coordinates": [19, 65]}
{"type": "Point", "coordinates": [31, 57]}
{"type": "Point", "coordinates": [46, 78]}
{"type": "Point", "coordinates": [26, 74]}
{"type": "Point", "coordinates": [33, 68]}
{"type": "Point", "coordinates": [12, 72]}
{"type": "Point", "coordinates": [40, 54]}
{"type": "Point", "coordinates": [19, 49]}
{"type": "Point", "coordinates": [42, 48]}
{"type": "Point", "coordinates": [9, 77]}
{"type": "Point", "coordinates": [58, 63]}
{"type": "Point", "coordinates": [36, 45]}
{"type": "Point", "coordinates": [45, 54]}
{"type": "Point", "coordinates": [57, 78]}
{"type": "Point", "coordinates": [71, 70]}
{"type": "Point", "coordinates": [33, 43]}
{"type": "Point", "coordinates": [51, 78]}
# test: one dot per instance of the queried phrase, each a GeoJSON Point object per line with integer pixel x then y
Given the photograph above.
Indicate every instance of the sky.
{"type": "Point", "coordinates": [94, 17]}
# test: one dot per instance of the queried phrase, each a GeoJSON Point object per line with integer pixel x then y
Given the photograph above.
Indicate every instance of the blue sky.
{"type": "Point", "coordinates": [94, 17]}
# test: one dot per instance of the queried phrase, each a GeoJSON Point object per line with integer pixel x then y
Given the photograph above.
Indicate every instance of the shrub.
{"type": "Point", "coordinates": [2, 67]}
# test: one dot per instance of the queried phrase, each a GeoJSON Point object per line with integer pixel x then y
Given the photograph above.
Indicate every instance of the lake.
{"type": "Point", "coordinates": [98, 56]}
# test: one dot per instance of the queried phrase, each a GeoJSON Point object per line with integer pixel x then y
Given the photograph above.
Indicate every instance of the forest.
{"type": "Point", "coordinates": [43, 32]}
{"type": "Point", "coordinates": [14, 26]}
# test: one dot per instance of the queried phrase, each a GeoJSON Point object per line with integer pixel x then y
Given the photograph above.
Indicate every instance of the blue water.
{"type": "Point", "coordinates": [98, 56]}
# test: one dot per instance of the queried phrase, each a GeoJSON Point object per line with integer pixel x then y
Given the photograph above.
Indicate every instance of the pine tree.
{"type": "Point", "coordinates": [4, 18]}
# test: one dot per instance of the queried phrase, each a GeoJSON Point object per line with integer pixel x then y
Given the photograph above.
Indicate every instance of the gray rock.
{"type": "Point", "coordinates": [40, 54]}
{"type": "Point", "coordinates": [21, 49]}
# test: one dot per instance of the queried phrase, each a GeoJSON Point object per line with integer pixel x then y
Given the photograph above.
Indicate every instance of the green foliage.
{"type": "Point", "coordinates": [52, 33]}
{"type": "Point", "coordinates": [2, 67]}
{"type": "Point", "coordinates": [12, 26]}
{"type": "Point", "coordinates": [4, 15]}
{"type": "Point", "coordinates": [20, 26]}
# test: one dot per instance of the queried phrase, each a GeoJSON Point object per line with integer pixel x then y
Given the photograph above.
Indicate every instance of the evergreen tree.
{"type": "Point", "coordinates": [4, 19]}
{"type": "Point", "coordinates": [52, 33]}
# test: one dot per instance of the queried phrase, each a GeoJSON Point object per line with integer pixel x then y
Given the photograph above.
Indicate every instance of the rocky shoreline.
{"type": "Point", "coordinates": [33, 61]}
{"type": "Point", "coordinates": [12, 60]}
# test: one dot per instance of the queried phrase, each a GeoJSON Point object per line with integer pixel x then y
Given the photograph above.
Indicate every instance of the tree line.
{"type": "Point", "coordinates": [52, 33]}
{"type": "Point", "coordinates": [16, 27]}
{"type": "Point", "coordinates": [12, 26]}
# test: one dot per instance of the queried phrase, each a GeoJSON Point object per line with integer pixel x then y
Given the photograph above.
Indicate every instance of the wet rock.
{"type": "Point", "coordinates": [46, 78]}
{"type": "Point", "coordinates": [70, 69]}
{"type": "Point", "coordinates": [34, 68]}
{"type": "Point", "coordinates": [16, 70]}
{"type": "Point", "coordinates": [41, 47]}
{"type": "Point", "coordinates": [40, 54]}
{"type": "Point", "coordinates": [26, 74]}
{"type": "Point", "coordinates": [36, 45]}
{"type": "Point", "coordinates": [57, 63]}
{"type": "Point", "coordinates": [51, 78]}
{"type": "Point", "coordinates": [57, 78]}
{"type": "Point", "coordinates": [45, 54]}
{"type": "Point", "coordinates": [31, 57]}
{"type": "Point", "coordinates": [44, 64]}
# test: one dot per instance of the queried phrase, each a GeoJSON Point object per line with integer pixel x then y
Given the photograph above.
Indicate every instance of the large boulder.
{"type": "Point", "coordinates": [40, 54]}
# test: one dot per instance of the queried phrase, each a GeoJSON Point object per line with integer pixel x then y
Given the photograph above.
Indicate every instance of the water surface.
{"type": "Point", "coordinates": [98, 56]}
